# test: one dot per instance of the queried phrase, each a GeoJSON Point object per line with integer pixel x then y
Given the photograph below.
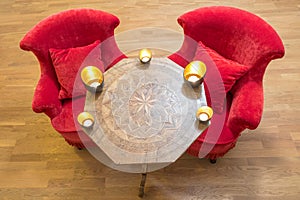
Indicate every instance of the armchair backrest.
{"type": "Point", "coordinates": [235, 34]}
{"type": "Point", "coordinates": [71, 28]}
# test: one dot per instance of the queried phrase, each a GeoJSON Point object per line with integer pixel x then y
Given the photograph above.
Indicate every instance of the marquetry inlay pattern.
{"type": "Point", "coordinates": [36, 163]}
{"type": "Point", "coordinates": [146, 112]}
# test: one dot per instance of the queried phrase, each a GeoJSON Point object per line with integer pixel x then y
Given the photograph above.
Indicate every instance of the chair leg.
{"type": "Point", "coordinates": [213, 161]}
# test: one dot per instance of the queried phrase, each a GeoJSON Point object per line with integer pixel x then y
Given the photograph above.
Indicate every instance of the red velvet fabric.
{"type": "Point", "coordinates": [64, 122]}
{"type": "Point", "coordinates": [218, 139]}
{"type": "Point", "coordinates": [67, 29]}
{"type": "Point", "coordinates": [242, 37]}
{"type": "Point", "coordinates": [220, 76]}
{"type": "Point", "coordinates": [67, 64]}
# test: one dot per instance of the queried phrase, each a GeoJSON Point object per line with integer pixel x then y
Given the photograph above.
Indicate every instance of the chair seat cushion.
{"type": "Point", "coordinates": [67, 64]}
{"type": "Point", "coordinates": [221, 75]}
{"type": "Point", "coordinates": [65, 122]}
{"type": "Point", "coordinates": [218, 138]}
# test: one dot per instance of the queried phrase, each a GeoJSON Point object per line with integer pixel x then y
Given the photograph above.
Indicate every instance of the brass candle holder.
{"type": "Point", "coordinates": [85, 119]}
{"type": "Point", "coordinates": [194, 73]}
{"type": "Point", "coordinates": [145, 56]}
{"type": "Point", "coordinates": [92, 78]}
{"type": "Point", "coordinates": [204, 113]}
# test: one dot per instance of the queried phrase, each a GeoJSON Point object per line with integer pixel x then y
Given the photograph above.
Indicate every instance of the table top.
{"type": "Point", "coordinates": [145, 115]}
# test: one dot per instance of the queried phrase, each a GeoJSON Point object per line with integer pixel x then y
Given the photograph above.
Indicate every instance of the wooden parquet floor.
{"type": "Point", "coordinates": [36, 163]}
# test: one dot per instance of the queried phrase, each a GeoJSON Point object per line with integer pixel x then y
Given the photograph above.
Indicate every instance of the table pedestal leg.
{"type": "Point", "coordinates": [142, 185]}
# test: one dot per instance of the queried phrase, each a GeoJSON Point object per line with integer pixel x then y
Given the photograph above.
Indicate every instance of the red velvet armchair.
{"type": "Point", "coordinates": [242, 38]}
{"type": "Point", "coordinates": [64, 39]}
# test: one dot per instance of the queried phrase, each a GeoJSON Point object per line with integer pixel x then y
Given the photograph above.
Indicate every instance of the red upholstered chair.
{"type": "Point", "coordinates": [60, 42]}
{"type": "Point", "coordinates": [242, 38]}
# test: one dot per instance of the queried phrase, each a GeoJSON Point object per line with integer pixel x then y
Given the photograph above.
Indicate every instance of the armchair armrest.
{"type": "Point", "coordinates": [186, 52]}
{"type": "Point", "coordinates": [45, 97]}
{"type": "Point", "coordinates": [247, 106]}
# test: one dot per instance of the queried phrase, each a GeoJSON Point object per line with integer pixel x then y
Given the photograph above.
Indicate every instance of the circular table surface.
{"type": "Point", "coordinates": [145, 115]}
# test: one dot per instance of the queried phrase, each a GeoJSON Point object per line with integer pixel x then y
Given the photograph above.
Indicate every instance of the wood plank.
{"type": "Point", "coordinates": [36, 163]}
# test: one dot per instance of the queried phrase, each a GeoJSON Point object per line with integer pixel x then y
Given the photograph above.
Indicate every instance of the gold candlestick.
{"type": "Point", "coordinates": [92, 78]}
{"type": "Point", "coordinates": [85, 119]}
{"type": "Point", "coordinates": [204, 113]}
{"type": "Point", "coordinates": [145, 55]}
{"type": "Point", "coordinates": [194, 73]}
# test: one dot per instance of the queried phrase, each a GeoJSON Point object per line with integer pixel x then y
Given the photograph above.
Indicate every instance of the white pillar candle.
{"type": "Point", "coordinates": [203, 117]}
{"type": "Point", "coordinates": [193, 78]}
{"type": "Point", "coordinates": [95, 84]}
{"type": "Point", "coordinates": [87, 123]}
{"type": "Point", "coordinates": [145, 59]}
